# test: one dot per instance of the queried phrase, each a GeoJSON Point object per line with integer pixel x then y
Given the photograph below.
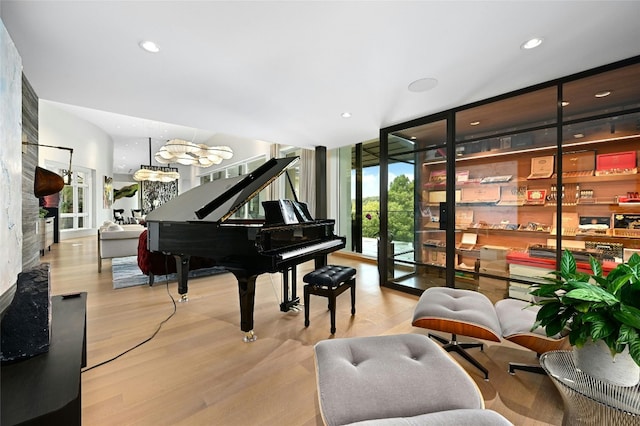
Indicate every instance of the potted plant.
{"type": "Point", "coordinates": [596, 310]}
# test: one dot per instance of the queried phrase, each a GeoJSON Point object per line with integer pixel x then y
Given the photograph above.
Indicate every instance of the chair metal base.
{"type": "Point", "coordinates": [513, 366]}
{"type": "Point", "coordinates": [460, 348]}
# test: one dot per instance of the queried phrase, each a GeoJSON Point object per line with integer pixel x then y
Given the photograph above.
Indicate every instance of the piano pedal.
{"type": "Point", "coordinates": [249, 337]}
{"type": "Point", "coordinates": [295, 308]}
{"type": "Point", "coordinates": [183, 298]}
{"type": "Point", "coordinates": [290, 305]}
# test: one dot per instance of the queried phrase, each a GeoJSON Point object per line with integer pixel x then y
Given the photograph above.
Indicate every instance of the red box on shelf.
{"type": "Point", "coordinates": [618, 162]}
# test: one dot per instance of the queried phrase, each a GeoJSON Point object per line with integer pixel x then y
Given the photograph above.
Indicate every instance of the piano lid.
{"type": "Point", "coordinates": [226, 196]}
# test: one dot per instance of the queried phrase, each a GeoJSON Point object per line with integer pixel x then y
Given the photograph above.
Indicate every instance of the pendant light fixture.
{"type": "Point", "coordinates": [192, 154]}
{"type": "Point", "coordinates": [156, 173]}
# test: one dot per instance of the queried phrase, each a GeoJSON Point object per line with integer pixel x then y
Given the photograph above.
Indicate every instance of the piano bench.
{"type": "Point", "coordinates": [329, 281]}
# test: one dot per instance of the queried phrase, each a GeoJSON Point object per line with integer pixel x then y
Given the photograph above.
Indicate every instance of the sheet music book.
{"type": "Point", "coordinates": [288, 212]}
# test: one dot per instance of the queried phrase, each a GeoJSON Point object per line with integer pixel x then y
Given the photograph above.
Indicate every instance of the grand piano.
{"type": "Point", "coordinates": [199, 223]}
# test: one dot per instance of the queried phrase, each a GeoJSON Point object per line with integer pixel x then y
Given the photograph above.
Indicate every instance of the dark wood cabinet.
{"type": "Point", "coordinates": [46, 389]}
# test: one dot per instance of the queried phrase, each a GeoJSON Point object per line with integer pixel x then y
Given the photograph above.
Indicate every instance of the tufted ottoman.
{"type": "Point", "coordinates": [394, 380]}
{"type": "Point", "coordinates": [329, 281]}
{"type": "Point", "coordinates": [457, 311]}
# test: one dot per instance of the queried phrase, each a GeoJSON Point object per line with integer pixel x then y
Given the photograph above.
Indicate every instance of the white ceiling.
{"type": "Point", "coordinates": [285, 71]}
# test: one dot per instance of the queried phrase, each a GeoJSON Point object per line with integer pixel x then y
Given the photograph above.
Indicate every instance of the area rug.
{"type": "Point", "coordinates": [126, 273]}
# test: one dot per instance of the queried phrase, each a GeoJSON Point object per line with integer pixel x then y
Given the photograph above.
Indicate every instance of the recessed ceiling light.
{"type": "Point", "coordinates": [532, 43]}
{"type": "Point", "coordinates": [474, 123]}
{"type": "Point", "coordinates": [413, 138]}
{"type": "Point", "coordinates": [423, 84]}
{"type": "Point", "coordinates": [149, 46]}
{"type": "Point", "coordinates": [564, 103]}
{"type": "Point", "coordinates": [603, 94]}
{"type": "Point", "coordinates": [345, 115]}
{"type": "Point", "coordinates": [578, 135]}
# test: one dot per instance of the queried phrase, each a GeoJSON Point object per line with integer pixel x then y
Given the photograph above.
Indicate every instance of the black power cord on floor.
{"type": "Point", "coordinates": [144, 341]}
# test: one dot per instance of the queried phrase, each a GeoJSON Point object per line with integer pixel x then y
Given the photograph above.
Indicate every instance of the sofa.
{"type": "Point", "coordinates": [116, 240]}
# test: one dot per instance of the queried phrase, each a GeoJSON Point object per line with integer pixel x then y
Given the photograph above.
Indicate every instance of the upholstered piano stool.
{"type": "Point", "coordinates": [329, 281]}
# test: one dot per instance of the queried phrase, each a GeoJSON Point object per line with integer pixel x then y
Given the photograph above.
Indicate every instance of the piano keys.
{"type": "Point", "coordinates": [288, 236]}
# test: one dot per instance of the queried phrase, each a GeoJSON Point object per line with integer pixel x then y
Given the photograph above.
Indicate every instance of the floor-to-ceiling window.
{"type": "Point", "coordinates": [75, 199]}
{"type": "Point", "coordinates": [363, 182]}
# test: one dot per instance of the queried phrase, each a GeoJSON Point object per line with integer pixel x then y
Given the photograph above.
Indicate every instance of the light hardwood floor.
{"type": "Point", "coordinates": [197, 370]}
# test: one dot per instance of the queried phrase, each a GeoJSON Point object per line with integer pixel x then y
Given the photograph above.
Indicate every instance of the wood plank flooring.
{"type": "Point", "coordinates": [197, 370]}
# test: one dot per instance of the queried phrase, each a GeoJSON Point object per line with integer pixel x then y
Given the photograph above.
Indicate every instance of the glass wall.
{"type": "Point", "coordinates": [75, 200]}
{"type": "Point", "coordinates": [601, 205]}
{"type": "Point", "coordinates": [549, 167]}
{"type": "Point", "coordinates": [365, 196]}
{"type": "Point", "coordinates": [416, 188]}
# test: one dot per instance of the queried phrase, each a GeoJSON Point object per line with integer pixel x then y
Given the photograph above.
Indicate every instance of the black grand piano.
{"type": "Point", "coordinates": [199, 223]}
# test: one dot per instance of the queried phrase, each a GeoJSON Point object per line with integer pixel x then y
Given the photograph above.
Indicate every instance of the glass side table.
{"type": "Point", "coordinates": [587, 400]}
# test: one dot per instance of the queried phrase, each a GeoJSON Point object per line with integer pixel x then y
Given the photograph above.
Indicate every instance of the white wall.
{"type": "Point", "coordinates": [92, 149]}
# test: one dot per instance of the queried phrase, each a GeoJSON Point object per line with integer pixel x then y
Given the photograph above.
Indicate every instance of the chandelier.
{"type": "Point", "coordinates": [192, 154]}
{"type": "Point", "coordinates": [156, 174]}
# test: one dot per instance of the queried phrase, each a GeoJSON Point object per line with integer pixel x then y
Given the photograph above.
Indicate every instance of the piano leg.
{"type": "Point", "coordinates": [247, 293]}
{"type": "Point", "coordinates": [182, 266]}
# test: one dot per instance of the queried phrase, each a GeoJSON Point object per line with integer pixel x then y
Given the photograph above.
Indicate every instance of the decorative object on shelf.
{"type": "Point", "coordinates": [578, 163]}
{"type": "Point", "coordinates": [595, 308]}
{"type": "Point", "coordinates": [536, 196]}
{"type": "Point", "coordinates": [192, 154]}
{"type": "Point", "coordinates": [438, 177]}
{"type": "Point", "coordinates": [617, 163]}
{"type": "Point", "coordinates": [542, 167]}
{"type": "Point", "coordinates": [626, 224]}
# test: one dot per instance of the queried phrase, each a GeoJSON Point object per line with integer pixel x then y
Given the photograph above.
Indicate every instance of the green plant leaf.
{"type": "Point", "coordinates": [626, 334]}
{"type": "Point", "coordinates": [596, 267]}
{"type": "Point", "coordinates": [593, 294]}
{"type": "Point", "coordinates": [634, 260]}
{"type": "Point", "coordinates": [555, 326]}
{"type": "Point", "coordinates": [628, 315]}
{"type": "Point", "coordinates": [601, 281]}
{"type": "Point", "coordinates": [549, 310]}
{"type": "Point", "coordinates": [567, 264]}
{"type": "Point", "coordinates": [618, 282]}
{"type": "Point", "coordinates": [578, 337]}
{"type": "Point", "coordinates": [634, 347]}
{"type": "Point", "coordinates": [545, 290]}
{"type": "Point", "coordinates": [601, 328]}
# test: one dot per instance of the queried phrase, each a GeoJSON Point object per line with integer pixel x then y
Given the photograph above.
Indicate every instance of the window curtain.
{"type": "Point", "coordinates": [307, 179]}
